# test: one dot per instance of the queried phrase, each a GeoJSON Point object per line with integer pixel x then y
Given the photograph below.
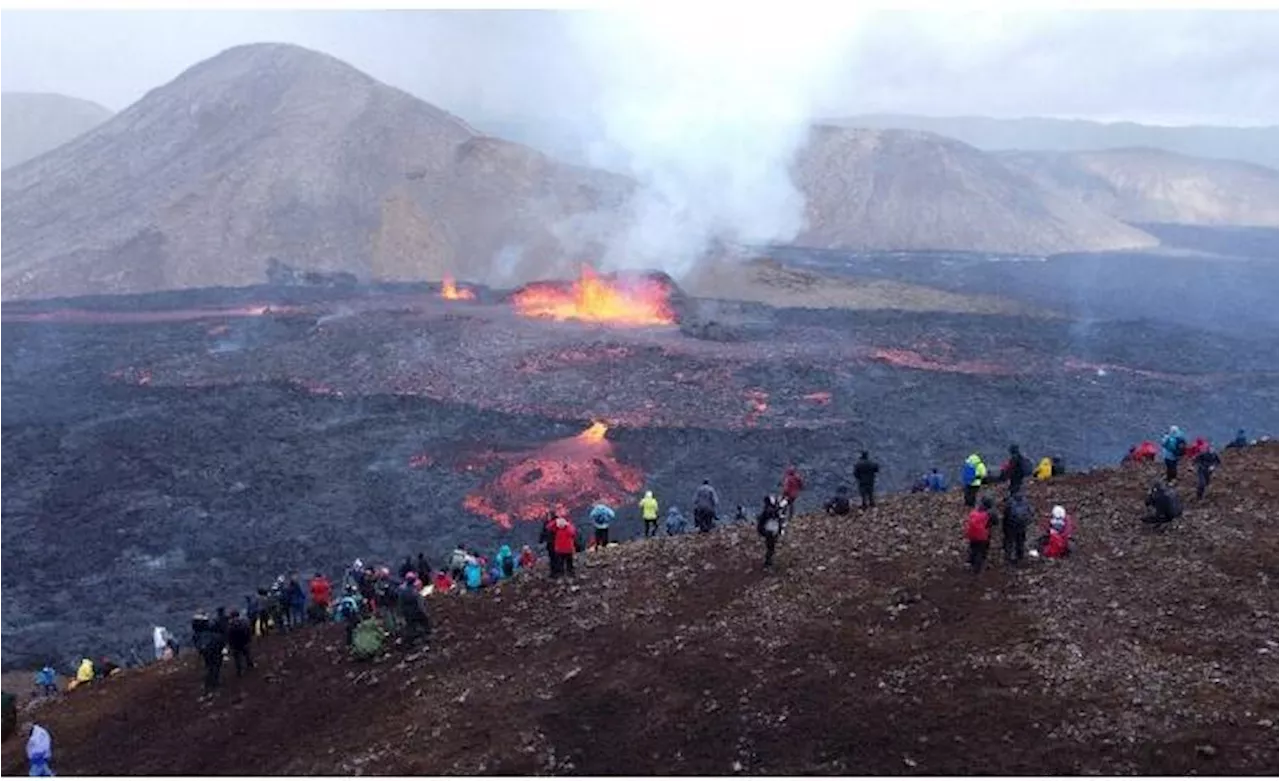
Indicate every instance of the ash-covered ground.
{"type": "Point", "coordinates": [158, 463]}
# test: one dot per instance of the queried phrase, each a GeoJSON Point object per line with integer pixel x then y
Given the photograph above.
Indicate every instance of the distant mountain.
{"type": "Point", "coordinates": [1257, 145]}
{"type": "Point", "coordinates": [273, 151]}
{"type": "Point", "coordinates": [1149, 185]}
{"type": "Point", "coordinates": [32, 123]}
{"type": "Point", "coordinates": [909, 190]}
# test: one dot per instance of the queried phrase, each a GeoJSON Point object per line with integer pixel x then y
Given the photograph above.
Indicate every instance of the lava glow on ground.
{"type": "Point", "coordinates": [450, 290]}
{"type": "Point", "coordinates": [574, 472]}
{"type": "Point", "coordinates": [595, 299]}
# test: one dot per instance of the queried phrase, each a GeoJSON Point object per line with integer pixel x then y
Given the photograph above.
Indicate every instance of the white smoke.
{"type": "Point", "coordinates": [707, 110]}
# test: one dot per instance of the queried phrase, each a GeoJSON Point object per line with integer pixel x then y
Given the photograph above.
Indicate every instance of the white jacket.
{"type": "Point", "coordinates": [161, 636]}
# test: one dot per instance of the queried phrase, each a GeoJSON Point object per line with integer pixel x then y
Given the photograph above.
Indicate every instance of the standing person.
{"type": "Point", "coordinates": [601, 516]}
{"type": "Point", "coordinates": [506, 561]}
{"type": "Point", "coordinates": [705, 503]}
{"type": "Point", "coordinates": [279, 596]}
{"type": "Point", "coordinates": [406, 567]}
{"type": "Point", "coordinates": [413, 609]}
{"type": "Point", "coordinates": [548, 538]}
{"type": "Point", "coordinates": [649, 514]}
{"type": "Point", "coordinates": [297, 602]}
{"type": "Point", "coordinates": [972, 475]}
{"type": "Point", "coordinates": [769, 527]}
{"type": "Point", "coordinates": [321, 596]}
{"type": "Point", "coordinates": [864, 474]}
{"type": "Point", "coordinates": [457, 561]}
{"type": "Point", "coordinates": [1013, 528]}
{"type": "Point", "coordinates": [1206, 462]}
{"type": "Point", "coordinates": [1016, 469]}
{"type": "Point", "coordinates": [252, 610]}
{"type": "Point", "coordinates": [209, 643]}
{"type": "Point", "coordinates": [239, 635]}
{"type": "Point", "coordinates": [47, 681]}
{"type": "Point", "coordinates": [565, 543]}
{"type": "Point", "coordinates": [1172, 447]}
{"type": "Point", "coordinates": [792, 485]}
{"type": "Point", "coordinates": [39, 752]}
{"type": "Point", "coordinates": [977, 530]}
{"type": "Point", "coordinates": [160, 639]}
{"type": "Point", "coordinates": [422, 568]}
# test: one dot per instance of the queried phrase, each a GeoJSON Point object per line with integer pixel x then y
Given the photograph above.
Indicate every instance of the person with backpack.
{"type": "Point", "coordinates": [47, 681]}
{"type": "Point", "coordinates": [792, 485]}
{"type": "Point", "coordinates": [239, 636]}
{"type": "Point", "coordinates": [864, 474]}
{"type": "Point", "coordinates": [649, 514]}
{"type": "Point", "coordinates": [1206, 461]}
{"type": "Point", "coordinates": [39, 752]}
{"type": "Point", "coordinates": [972, 474]}
{"type": "Point", "coordinates": [506, 561]}
{"type": "Point", "coordinates": [457, 561]}
{"type": "Point", "coordinates": [473, 573]}
{"type": "Point", "coordinates": [1163, 504]}
{"type": "Point", "coordinates": [601, 516]}
{"type": "Point", "coordinates": [417, 625]}
{"type": "Point", "coordinates": [565, 542]}
{"type": "Point", "coordinates": [1016, 469]}
{"type": "Point", "coordinates": [1172, 447]}
{"type": "Point", "coordinates": [977, 531]}
{"type": "Point", "coordinates": [769, 527]}
{"type": "Point", "coordinates": [347, 612]}
{"type": "Point", "coordinates": [209, 642]}
{"type": "Point", "coordinates": [1013, 528]}
{"type": "Point", "coordinates": [676, 522]}
{"type": "Point", "coordinates": [839, 504]}
{"type": "Point", "coordinates": [705, 503]}
{"type": "Point", "coordinates": [297, 602]}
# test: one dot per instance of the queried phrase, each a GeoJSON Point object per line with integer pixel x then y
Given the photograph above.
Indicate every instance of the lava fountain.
{"type": "Point", "coordinates": [565, 475]}
{"type": "Point", "coordinates": [449, 290]}
{"type": "Point", "coordinates": [596, 299]}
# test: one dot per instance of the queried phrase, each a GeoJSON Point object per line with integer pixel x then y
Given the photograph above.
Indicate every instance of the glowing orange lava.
{"type": "Point", "coordinates": [567, 474]}
{"type": "Point", "coordinates": [595, 299]}
{"type": "Point", "coordinates": [450, 290]}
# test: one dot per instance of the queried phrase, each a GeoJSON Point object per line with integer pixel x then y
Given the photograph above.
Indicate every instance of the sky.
{"type": "Point", "coordinates": [1160, 67]}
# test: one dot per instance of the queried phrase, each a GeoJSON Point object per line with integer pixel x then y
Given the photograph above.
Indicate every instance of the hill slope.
{"type": "Point", "coordinates": [1247, 144]}
{"type": "Point", "coordinates": [35, 122]}
{"type": "Point", "coordinates": [273, 151]}
{"type": "Point", "coordinates": [1150, 185]}
{"type": "Point", "coordinates": [906, 190]}
{"type": "Point", "coordinates": [868, 651]}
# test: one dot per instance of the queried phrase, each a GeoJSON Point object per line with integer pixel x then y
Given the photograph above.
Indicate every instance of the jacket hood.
{"type": "Point", "coordinates": [973, 458]}
{"type": "Point", "coordinates": [648, 494]}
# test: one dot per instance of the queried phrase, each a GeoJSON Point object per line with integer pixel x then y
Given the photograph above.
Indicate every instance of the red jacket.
{"type": "Point", "coordinates": [527, 559]}
{"type": "Point", "coordinates": [792, 485]}
{"type": "Point", "coordinates": [1196, 448]}
{"type": "Point", "coordinates": [443, 582]}
{"type": "Point", "coordinates": [1056, 548]}
{"type": "Point", "coordinates": [978, 526]}
{"type": "Point", "coordinates": [321, 591]}
{"type": "Point", "coordinates": [1068, 530]}
{"type": "Point", "coordinates": [564, 537]}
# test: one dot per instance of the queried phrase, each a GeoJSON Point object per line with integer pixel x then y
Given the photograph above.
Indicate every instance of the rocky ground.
{"type": "Point", "coordinates": [191, 446]}
{"type": "Point", "coordinates": [869, 650]}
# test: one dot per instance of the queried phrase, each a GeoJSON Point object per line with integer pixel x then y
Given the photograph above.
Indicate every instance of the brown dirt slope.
{"type": "Point", "coordinates": [869, 651]}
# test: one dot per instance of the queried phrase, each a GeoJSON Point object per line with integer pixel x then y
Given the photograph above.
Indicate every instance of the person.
{"type": "Point", "coordinates": [1239, 441]}
{"type": "Point", "coordinates": [417, 625]}
{"type": "Point", "coordinates": [1017, 469]}
{"type": "Point", "coordinates": [839, 504]}
{"type": "Point", "coordinates": [740, 514]}
{"type": "Point", "coordinates": [565, 543]}
{"type": "Point", "coordinates": [864, 474]}
{"type": "Point", "coordinates": [406, 567]}
{"type": "Point", "coordinates": [347, 612]}
{"type": "Point", "coordinates": [1172, 447]}
{"type": "Point", "coordinates": [278, 604]}
{"type": "Point", "coordinates": [548, 538]}
{"type": "Point", "coordinates": [297, 602]}
{"type": "Point", "coordinates": [1065, 526]}
{"type": "Point", "coordinates": [457, 561]}
{"type": "Point", "coordinates": [422, 568]}
{"type": "Point", "coordinates": [47, 681]}
{"type": "Point", "coordinates": [1057, 542]}
{"type": "Point", "coordinates": [442, 582]}
{"type": "Point", "coordinates": [505, 561]}
{"type": "Point", "coordinates": [252, 610]}
{"type": "Point", "coordinates": [649, 514]}
{"type": "Point", "coordinates": [106, 668]}
{"type": "Point", "coordinates": [473, 573]}
{"type": "Point", "coordinates": [705, 503]}
{"type": "Point", "coordinates": [160, 639]}
{"type": "Point", "coordinates": [934, 482]}
{"type": "Point", "coordinates": [676, 522]}
{"type": "Point", "coordinates": [977, 530]}
{"type": "Point", "coordinates": [601, 516]}
{"type": "Point", "coordinates": [1164, 504]}
{"type": "Point", "coordinates": [1044, 469]}
{"type": "Point", "coordinates": [321, 596]}
{"type": "Point", "coordinates": [1206, 461]}
{"type": "Point", "coordinates": [84, 673]}
{"type": "Point", "coordinates": [239, 635]}
{"type": "Point", "coordinates": [39, 752]}
{"type": "Point", "coordinates": [792, 485]}
{"type": "Point", "coordinates": [209, 643]}
{"type": "Point", "coordinates": [1013, 527]}
{"type": "Point", "coordinates": [972, 475]}
{"type": "Point", "coordinates": [262, 624]}
{"type": "Point", "coordinates": [769, 527]}
{"type": "Point", "coordinates": [527, 558]}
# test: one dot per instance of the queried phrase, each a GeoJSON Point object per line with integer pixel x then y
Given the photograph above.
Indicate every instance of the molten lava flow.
{"type": "Point", "coordinates": [564, 475]}
{"type": "Point", "coordinates": [595, 299]}
{"type": "Point", "coordinates": [450, 290]}
{"type": "Point", "coordinates": [757, 405]}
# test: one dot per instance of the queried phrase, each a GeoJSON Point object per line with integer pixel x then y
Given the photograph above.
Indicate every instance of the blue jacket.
{"type": "Point", "coordinates": [602, 515]}
{"type": "Point", "coordinates": [473, 575]}
{"type": "Point", "coordinates": [1169, 445]}
{"type": "Point", "coordinates": [45, 677]}
{"type": "Point", "coordinates": [935, 482]}
{"type": "Point", "coordinates": [676, 522]}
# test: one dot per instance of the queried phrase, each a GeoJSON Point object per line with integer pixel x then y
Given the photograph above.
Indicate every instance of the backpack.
{"type": "Point", "coordinates": [772, 527]}
{"type": "Point", "coordinates": [969, 473]}
{"type": "Point", "coordinates": [367, 639]}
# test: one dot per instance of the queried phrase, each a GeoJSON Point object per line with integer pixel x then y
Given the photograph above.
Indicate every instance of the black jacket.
{"type": "Point", "coordinates": [769, 512]}
{"type": "Point", "coordinates": [1165, 503]}
{"type": "Point", "coordinates": [239, 633]}
{"type": "Point", "coordinates": [864, 472]}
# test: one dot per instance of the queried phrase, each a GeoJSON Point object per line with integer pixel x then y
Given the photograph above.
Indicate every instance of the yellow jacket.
{"type": "Point", "coordinates": [1044, 469]}
{"type": "Point", "coordinates": [85, 673]}
{"type": "Point", "coordinates": [649, 507]}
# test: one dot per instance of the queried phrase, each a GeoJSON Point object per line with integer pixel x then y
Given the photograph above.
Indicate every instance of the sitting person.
{"type": "Point", "coordinates": [839, 504]}
{"type": "Point", "coordinates": [527, 558]}
{"type": "Point", "coordinates": [676, 522]}
{"type": "Point", "coordinates": [1239, 441]}
{"type": "Point", "coordinates": [1057, 545]}
{"type": "Point", "coordinates": [1044, 469]}
{"type": "Point", "coordinates": [1163, 503]}
{"type": "Point", "coordinates": [1058, 523]}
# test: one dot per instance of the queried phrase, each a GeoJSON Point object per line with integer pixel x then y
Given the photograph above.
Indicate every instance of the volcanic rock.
{"type": "Point", "coordinates": [905, 190]}
{"type": "Point", "coordinates": [35, 122]}
{"type": "Point", "coordinates": [272, 151]}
